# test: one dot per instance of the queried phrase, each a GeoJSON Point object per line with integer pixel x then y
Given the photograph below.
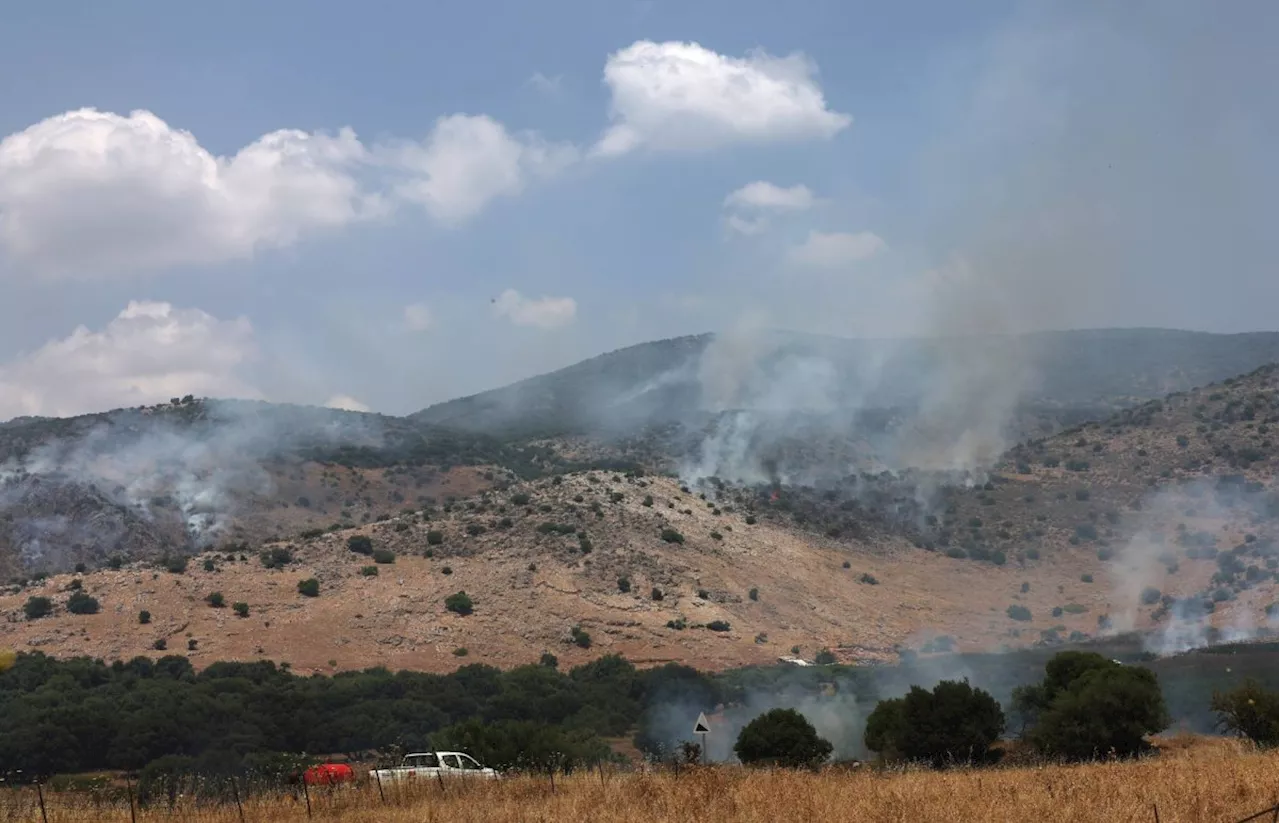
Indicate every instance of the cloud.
{"type": "Point", "coordinates": [148, 353]}
{"type": "Point", "coordinates": [746, 225]}
{"type": "Point", "coordinates": [92, 193]}
{"type": "Point", "coordinates": [766, 196]}
{"type": "Point", "coordinates": [550, 86]}
{"type": "Point", "coordinates": [542, 313]}
{"type": "Point", "coordinates": [681, 96]}
{"type": "Point", "coordinates": [345, 402]}
{"type": "Point", "coordinates": [469, 160]}
{"type": "Point", "coordinates": [418, 317]}
{"type": "Point", "coordinates": [822, 250]}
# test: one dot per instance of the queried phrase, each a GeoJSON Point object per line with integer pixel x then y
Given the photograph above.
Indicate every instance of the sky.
{"type": "Point", "coordinates": [386, 205]}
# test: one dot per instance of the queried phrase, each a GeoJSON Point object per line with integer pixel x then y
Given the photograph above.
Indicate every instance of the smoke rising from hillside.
{"type": "Point", "coordinates": [1171, 535]}
{"type": "Point", "coordinates": [173, 478]}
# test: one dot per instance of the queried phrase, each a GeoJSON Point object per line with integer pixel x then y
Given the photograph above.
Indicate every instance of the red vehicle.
{"type": "Point", "coordinates": [328, 774]}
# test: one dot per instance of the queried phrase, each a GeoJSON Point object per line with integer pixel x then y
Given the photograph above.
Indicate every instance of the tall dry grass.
{"type": "Point", "coordinates": [1196, 784]}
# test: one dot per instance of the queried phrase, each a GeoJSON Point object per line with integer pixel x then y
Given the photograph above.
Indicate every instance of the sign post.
{"type": "Point", "coordinates": [701, 728]}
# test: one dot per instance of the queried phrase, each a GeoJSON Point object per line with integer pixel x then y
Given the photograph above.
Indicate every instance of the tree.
{"type": "Point", "coordinates": [953, 724]}
{"type": "Point", "coordinates": [309, 587]}
{"type": "Point", "coordinates": [781, 737]}
{"type": "Point", "coordinates": [216, 600]}
{"type": "Point", "coordinates": [37, 607]}
{"type": "Point", "coordinates": [241, 609]}
{"type": "Point", "coordinates": [1088, 706]}
{"type": "Point", "coordinates": [81, 603]}
{"type": "Point", "coordinates": [1248, 711]}
{"type": "Point", "coordinates": [361, 544]}
{"type": "Point", "coordinates": [459, 603]}
{"type": "Point", "coordinates": [144, 617]}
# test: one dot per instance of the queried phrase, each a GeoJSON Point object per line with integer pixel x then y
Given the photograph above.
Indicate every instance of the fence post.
{"type": "Point", "coordinates": [306, 794]}
{"type": "Point", "coordinates": [235, 789]}
{"type": "Point", "coordinates": [128, 783]}
{"type": "Point", "coordinates": [378, 777]}
{"type": "Point", "coordinates": [40, 793]}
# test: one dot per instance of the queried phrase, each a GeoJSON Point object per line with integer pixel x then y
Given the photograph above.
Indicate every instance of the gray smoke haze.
{"type": "Point", "coordinates": [1182, 525]}
{"type": "Point", "coordinates": [172, 479]}
{"type": "Point", "coordinates": [1056, 188]}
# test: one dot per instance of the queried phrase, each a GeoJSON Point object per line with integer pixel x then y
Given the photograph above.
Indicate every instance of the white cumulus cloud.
{"type": "Point", "coordinates": [825, 251]}
{"type": "Point", "coordinates": [91, 193]}
{"type": "Point", "coordinates": [469, 160]}
{"type": "Point", "coordinates": [766, 196]}
{"type": "Point", "coordinates": [542, 312]}
{"type": "Point", "coordinates": [418, 317]}
{"type": "Point", "coordinates": [345, 402]}
{"type": "Point", "coordinates": [682, 96]}
{"type": "Point", "coordinates": [148, 353]}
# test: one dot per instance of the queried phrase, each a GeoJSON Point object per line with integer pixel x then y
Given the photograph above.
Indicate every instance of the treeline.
{"type": "Point", "coordinates": [60, 716]}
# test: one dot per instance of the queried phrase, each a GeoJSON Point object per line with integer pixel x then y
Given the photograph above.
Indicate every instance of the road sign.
{"type": "Point", "coordinates": [702, 726]}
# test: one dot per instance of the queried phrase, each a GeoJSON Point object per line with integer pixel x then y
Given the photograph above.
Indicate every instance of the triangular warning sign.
{"type": "Point", "coordinates": [702, 726]}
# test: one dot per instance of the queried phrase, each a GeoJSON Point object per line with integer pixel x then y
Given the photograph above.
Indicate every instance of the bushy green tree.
{"type": "Point", "coordinates": [781, 737]}
{"type": "Point", "coordinates": [37, 607]}
{"type": "Point", "coordinates": [459, 603]}
{"type": "Point", "coordinates": [1088, 707]}
{"type": "Point", "coordinates": [953, 724]}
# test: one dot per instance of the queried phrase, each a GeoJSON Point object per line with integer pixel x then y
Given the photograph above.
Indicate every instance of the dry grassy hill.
{"type": "Point", "coordinates": [531, 584]}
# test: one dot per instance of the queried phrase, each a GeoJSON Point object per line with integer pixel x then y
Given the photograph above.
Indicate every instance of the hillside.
{"type": "Point", "coordinates": [666, 380]}
{"type": "Point", "coordinates": [853, 569]}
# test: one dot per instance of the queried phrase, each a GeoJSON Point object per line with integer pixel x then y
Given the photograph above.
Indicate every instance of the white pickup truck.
{"type": "Point", "coordinates": [432, 765]}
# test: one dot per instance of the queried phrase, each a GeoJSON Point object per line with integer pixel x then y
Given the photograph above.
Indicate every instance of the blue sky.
{"type": "Point", "coordinates": [524, 185]}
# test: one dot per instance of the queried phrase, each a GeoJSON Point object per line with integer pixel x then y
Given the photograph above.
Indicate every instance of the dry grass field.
{"type": "Point", "coordinates": [1205, 781]}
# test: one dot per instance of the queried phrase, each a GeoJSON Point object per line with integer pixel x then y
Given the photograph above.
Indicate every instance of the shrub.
{"type": "Point", "coordinates": [474, 530]}
{"type": "Point", "coordinates": [624, 585]}
{"type": "Point", "coordinates": [216, 600]}
{"type": "Point", "coordinates": [781, 737]}
{"type": "Point", "coordinates": [648, 500]}
{"type": "Point", "coordinates": [384, 556]}
{"type": "Point", "coordinates": [369, 571]}
{"type": "Point", "coordinates": [825, 658]}
{"type": "Point", "coordinates": [953, 724]}
{"type": "Point", "coordinates": [461, 651]}
{"type": "Point", "coordinates": [191, 644]}
{"type": "Point", "coordinates": [1087, 531]}
{"type": "Point", "coordinates": [37, 607]}
{"type": "Point", "coordinates": [1018, 613]}
{"type": "Point", "coordinates": [718, 625]}
{"type": "Point", "coordinates": [548, 660]}
{"type": "Point", "coordinates": [751, 520]}
{"type": "Point", "coordinates": [1248, 711]}
{"type": "Point", "coordinates": [1182, 441]}
{"type": "Point", "coordinates": [1086, 578]}
{"type": "Point", "coordinates": [209, 565]}
{"type": "Point", "coordinates": [459, 603]}
{"type": "Point", "coordinates": [846, 565]}
{"type": "Point", "coordinates": [1057, 611]}
{"type": "Point", "coordinates": [81, 603]}
{"type": "Point", "coordinates": [115, 561]}
{"type": "Point", "coordinates": [869, 579]}
{"type": "Point", "coordinates": [276, 558]}
{"type": "Point", "coordinates": [80, 568]}
{"type": "Point", "coordinates": [1082, 494]}
{"type": "Point", "coordinates": [753, 593]}
{"type": "Point", "coordinates": [144, 617]}
{"type": "Point", "coordinates": [520, 499]}
{"type": "Point", "coordinates": [703, 594]}
{"type": "Point", "coordinates": [160, 644]}
{"type": "Point", "coordinates": [580, 637]}
{"type": "Point", "coordinates": [1150, 596]}
{"type": "Point", "coordinates": [672, 536]}
{"type": "Point", "coordinates": [435, 538]}
{"type": "Point", "coordinates": [717, 536]}
{"type": "Point", "coordinates": [175, 564]}
{"type": "Point", "coordinates": [655, 594]}
{"type": "Point", "coordinates": [309, 587]}
{"type": "Point", "coordinates": [362, 544]}
{"type": "Point", "coordinates": [241, 609]}
{"type": "Point", "coordinates": [1033, 554]}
